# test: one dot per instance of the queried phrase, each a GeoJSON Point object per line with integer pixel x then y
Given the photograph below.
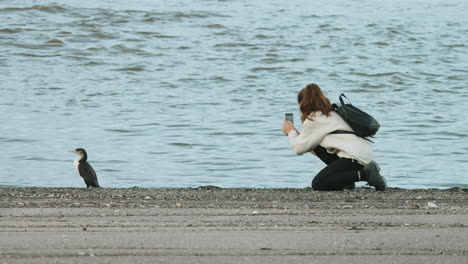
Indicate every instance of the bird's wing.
{"type": "Point", "coordinates": [88, 174]}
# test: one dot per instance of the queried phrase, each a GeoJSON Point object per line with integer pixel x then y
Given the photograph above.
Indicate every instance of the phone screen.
{"type": "Point", "coordinates": [289, 117]}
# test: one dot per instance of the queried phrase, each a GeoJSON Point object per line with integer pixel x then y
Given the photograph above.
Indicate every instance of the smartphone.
{"type": "Point", "coordinates": [289, 117]}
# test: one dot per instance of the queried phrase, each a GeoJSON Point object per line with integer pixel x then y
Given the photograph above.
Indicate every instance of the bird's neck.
{"type": "Point", "coordinates": [83, 158]}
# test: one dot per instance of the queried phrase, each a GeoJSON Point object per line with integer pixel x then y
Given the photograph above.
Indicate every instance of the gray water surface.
{"type": "Point", "coordinates": [188, 93]}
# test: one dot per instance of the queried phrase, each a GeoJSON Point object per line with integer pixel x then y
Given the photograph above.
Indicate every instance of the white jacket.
{"type": "Point", "coordinates": [316, 132]}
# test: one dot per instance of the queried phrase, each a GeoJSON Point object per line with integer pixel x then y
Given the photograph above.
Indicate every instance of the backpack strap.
{"type": "Point", "coordinates": [342, 132]}
{"type": "Point", "coordinates": [348, 132]}
{"type": "Point", "coordinates": [341, 99]}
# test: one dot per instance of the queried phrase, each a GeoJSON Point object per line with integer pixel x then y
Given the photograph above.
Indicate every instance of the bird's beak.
{"type": "Point", "coordinates": [72, 151]}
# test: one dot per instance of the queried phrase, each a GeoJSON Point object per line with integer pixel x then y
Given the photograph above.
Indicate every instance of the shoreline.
{"type": "Point", "coordinates": [240, 225]}
{"type": "Point", "coordinates": [204, 196]}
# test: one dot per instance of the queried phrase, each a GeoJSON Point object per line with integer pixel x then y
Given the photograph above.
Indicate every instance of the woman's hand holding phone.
{"type": "Point", "coordinates": [288, 126]}
{"type": "Point", "coordinates": [288, 123]}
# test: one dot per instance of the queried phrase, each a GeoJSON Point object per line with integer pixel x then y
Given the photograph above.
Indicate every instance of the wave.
{"type": "Point", "coordinates": [48, 9]}
{"type": "Point", "coordinates": [381, 43]}
{"type": "Point", "coordinates": [261, 36]}
{"type": "Point", "coordinates": [120, 130]}
{"type": "Point", "coordinates": [219, 78]}
{"type": "Point", "coordinates": [55, 41]}
{"type": "Point", "coordinates": [155, 35]}
{"type": "Point", "coordinates": [38, 55]}
{"type": "Point", "coordinates": [219, 133]}
{"type": "Point", "coordinates": [233, 45]}
{"type": "Point", "coordinates": [151, 19]}
{"type": "Point", "coordinates": [248, 121]}
{"type": "Point", "coordinates": [377, 74]}
{"type": "Point", "coordinates": [267, 69]}
{"type": "Point", "coordinates": [201, 14]}
{"type": "Point", "coordinates": [124, 49]}
{"type": "Point", "coordinates": [131, 69]}
{"type": "Point", "coordinates": [17, 140]}
{"type": "Point", "coordinates": [182, 144]}
{"type": "Point", "coordinates": [148, 124]}
{"type": "Point", "coordinates": [9, 31]}
{"type": "Point", "coordinates": [215, 26]}
{"type": "Point", "coordinates": [32, 46]}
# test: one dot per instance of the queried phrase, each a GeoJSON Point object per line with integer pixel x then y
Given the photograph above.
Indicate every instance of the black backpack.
{"type": "Point", "coordinates": [363, 124]}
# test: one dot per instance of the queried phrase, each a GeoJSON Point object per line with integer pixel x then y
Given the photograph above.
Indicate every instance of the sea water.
{"type": "Point", "coordinates": [187, 93]}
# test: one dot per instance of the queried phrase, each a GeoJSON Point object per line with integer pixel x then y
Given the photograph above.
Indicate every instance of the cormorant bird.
{"type": "Point", "coordinates": [84, 168]}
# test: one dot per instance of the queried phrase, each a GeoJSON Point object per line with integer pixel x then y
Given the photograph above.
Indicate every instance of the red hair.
{"type": "Point", "coordinates": [311, 99]}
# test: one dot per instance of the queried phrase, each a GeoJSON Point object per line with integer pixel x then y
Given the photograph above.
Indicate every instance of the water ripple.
{"type": "Point", "coordinates": [48, 9]}
{"type": "Point", "coordinates": [131, 69]}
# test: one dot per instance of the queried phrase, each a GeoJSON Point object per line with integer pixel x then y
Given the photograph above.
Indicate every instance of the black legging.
{"type": "Point", "coordinates": [340, 172]}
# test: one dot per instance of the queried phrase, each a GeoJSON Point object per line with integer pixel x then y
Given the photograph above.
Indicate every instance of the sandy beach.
{"type": "Point", "coordinates": [211, 225]}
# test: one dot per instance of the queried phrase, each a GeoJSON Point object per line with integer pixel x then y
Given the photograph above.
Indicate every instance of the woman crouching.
{"type": "Point", "coordinates": [348, 157]}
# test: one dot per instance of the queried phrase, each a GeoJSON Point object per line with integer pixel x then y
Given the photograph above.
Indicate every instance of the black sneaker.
{"type": "Point", "coordinates": [374, 178]}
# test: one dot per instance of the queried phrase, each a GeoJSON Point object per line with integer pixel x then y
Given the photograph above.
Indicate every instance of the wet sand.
{"type": "Point", "coordinates": [210, 225]}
